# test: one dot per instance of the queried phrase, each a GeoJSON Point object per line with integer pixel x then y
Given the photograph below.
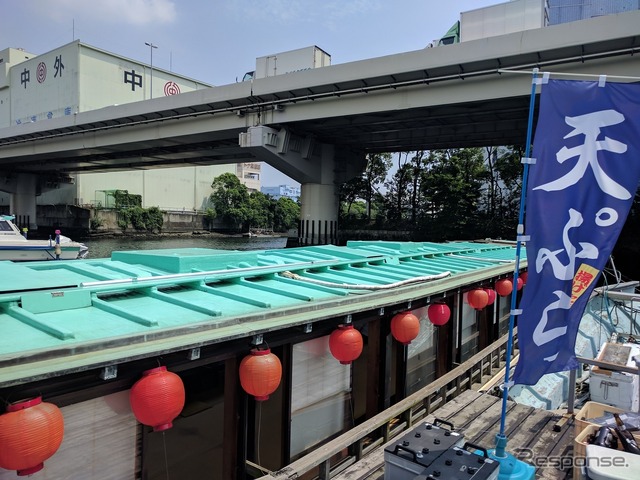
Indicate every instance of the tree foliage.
{"type": "Point", "coordinates": [286, 214]}
{"type": "Point", "coordinates": [366, 188]}
{"type": "Point", "coordinates": [230, 199]}
{"type": "Point", "coordinates": [245, 211]}
{"type": "Point", "coordinates": [142, 219]}
{"type": "Point", "coordinates": [442, 195]}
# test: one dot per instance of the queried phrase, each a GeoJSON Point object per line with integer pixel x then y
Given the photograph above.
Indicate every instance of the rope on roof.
{"type": "Point", "coordinates": [425, 278]}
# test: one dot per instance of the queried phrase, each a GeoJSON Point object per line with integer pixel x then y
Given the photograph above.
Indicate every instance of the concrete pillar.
{"type": "Point", "coordinates": [318, 214]}
{"type": "Point", "coordinates": [319, 205]}
{"type": "Point", "coordinates": [23, 202]}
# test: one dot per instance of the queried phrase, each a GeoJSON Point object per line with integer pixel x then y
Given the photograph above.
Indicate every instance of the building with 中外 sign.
{"type": "Point", "coordinates": [78, 78]}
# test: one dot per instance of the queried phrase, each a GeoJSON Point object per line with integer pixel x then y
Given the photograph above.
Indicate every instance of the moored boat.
{"type": "Point", "coordinates": [16, 247]}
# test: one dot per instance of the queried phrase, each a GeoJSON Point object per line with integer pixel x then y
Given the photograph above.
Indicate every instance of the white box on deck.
{"type": "Point", "coordinates": [619, 389]}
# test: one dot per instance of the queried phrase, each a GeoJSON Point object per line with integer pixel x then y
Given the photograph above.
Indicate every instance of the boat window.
{"type": "Point", "coordinates": [5, 227]}
{"type": "Point", "coordinates": [321, 396]}
{"type": "Point", "coordinates": [469, 333]}
{"type": "Point", "coordinates": [194, 444]}
{"type": "Point", "coordinates": [421, 361]}
{"type": "Point", "coordinates": [99, 441]}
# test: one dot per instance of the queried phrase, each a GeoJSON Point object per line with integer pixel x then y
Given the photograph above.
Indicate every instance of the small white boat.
{"type": "Point", "coordinates": [14, 246]}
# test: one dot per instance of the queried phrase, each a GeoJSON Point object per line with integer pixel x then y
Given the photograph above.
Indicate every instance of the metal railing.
{"type": "Point", "coordinates": [378, 430]}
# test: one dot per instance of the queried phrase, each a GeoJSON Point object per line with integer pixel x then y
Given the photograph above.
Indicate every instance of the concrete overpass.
{"type": "Point", "coordinates": [316, 126]}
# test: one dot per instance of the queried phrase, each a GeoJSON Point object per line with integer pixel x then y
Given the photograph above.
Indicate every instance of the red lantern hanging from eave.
{"type": "Point", "coordinates": [345, 344]}
{"type": "Point", "coordinates": [519, 283]}
{"type": "Point", "coordinates": [260, 373]}
{"type": "Point", "coordinates": [524, 276]}
{"type": "Point", "coordinates": [157, 398]}
{"type": "Point", "coordinates": [477, 298]}
{"type": "Point", "coordinates": [405, 327]}
{"type": "Point", "coordinates": [504, 287]}
{"type": "Point", "coordinates": [439, 313]}
{"type": "Point", "coordinates": [491, 294]}
{"type": "Point", "coordinates": [30, 432]}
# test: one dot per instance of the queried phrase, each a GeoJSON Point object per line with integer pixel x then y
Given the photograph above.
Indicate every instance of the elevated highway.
{"type": "Point", "coordinates": [317, 126]}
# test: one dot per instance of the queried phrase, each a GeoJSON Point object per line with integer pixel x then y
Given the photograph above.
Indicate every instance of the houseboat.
{"type": "Point", "coordinates": [197, 363]}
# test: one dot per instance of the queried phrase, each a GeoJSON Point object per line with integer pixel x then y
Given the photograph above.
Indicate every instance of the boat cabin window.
{"type": "Point", "coordinates": [5, 227]}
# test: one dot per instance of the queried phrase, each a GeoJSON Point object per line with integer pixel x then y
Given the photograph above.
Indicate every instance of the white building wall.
{"type": "Point", "coordinates": [508, 17]}
{"type": "Point", "coordinates": [45, 86]}
{"type": "Point", "coordinates": [9, 57]}
{"type": "Point", "coordinates": [183, 188]}
{"type": "Point", "coordinates": [79, 78]}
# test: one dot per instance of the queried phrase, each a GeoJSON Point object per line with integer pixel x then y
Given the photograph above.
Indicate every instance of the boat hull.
{"type": "Point", "coordinates": [32, 253]}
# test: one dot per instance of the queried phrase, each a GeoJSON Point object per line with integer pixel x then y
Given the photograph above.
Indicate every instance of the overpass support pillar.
{"type": "Point", "coordinates": [22, 202]}
{"type": "Point", "coordinates": [319, 167]}
{"type": "Point", "coordinates": [319, 203]}
{"type": "Point", "coordinates": [318, 214]}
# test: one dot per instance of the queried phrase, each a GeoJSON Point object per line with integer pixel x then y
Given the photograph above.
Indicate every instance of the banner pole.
{"type": "Point", "coordinates": [510, 467]}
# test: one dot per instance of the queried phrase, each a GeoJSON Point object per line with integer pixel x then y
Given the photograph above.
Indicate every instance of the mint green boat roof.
{"type": "Point", "coordinates": [65, 316]}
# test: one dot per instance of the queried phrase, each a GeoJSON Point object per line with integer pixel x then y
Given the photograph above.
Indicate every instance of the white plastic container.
{"type": "Point", "coordinates": [606, 464]}
{"type": "Point", "coordinates": [619, 389]}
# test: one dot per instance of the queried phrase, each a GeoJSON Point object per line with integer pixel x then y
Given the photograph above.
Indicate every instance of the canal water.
{"type": "Point", "coordinates": [102, 247]}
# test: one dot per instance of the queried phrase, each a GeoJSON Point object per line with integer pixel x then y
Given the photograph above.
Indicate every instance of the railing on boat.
{"type": "Point", "coordinates": [378, 430]}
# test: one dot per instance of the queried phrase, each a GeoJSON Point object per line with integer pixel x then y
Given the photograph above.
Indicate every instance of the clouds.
{"type": "Point", "coordinates": [132, 12]}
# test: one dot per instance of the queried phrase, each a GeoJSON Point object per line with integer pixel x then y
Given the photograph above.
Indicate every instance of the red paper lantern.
{"type": "Point", "coordinates": [260, 373]}
{"type": "Point", "coordinates": [524, 276]}
{"type": "Point", "coordinates": [30, 432]}
{"type": "Point", "coordinates": [345, 344]}
{"type": "Point", "coordinates": [504, 287]}
{"type": "Point", "coordinates": [157, 398]}
{"type": "Point", "coordinates": [519, 284]}
{"type": "Point", "coordinates": [491, 294]}
{"type": "Point", "coordinates": [477, 298]}
{"type": "Point", "coordinates": [439, 313]}
{"type": "Point", "coordinates": [405, 327]}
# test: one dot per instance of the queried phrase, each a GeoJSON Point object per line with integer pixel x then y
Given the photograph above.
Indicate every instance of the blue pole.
{"type": "Point", "coordinates": [501, 439]}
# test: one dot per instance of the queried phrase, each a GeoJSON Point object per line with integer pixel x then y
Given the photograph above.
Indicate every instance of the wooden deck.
{"type": "Point", "coordinates": [477, 416]}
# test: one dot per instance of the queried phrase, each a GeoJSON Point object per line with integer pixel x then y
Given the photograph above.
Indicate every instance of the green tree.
{"type": "Point", "coordinates": [367, 186]}
{"type": "Point", "coordinates": [453, 188]}
{"type": "Point", "coordinates": [286, 214]}
{"type": "Point", "coordinates": [398, 198]}
{"type": "Point", "coordinates": [230, 199]}
{"type": "Point", "coordinates": [503, 187]}
{"type": "Point", "coordinates": [209, 217]}
{"type": "Point", "coordinates": [260, 211]}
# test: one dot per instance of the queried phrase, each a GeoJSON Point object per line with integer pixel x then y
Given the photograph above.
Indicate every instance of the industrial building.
{"type": "Point", "coordinates": [78, 78]}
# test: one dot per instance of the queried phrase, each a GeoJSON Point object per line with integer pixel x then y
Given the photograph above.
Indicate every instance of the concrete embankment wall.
{"type": "Point", "coordinates": [77, 221]}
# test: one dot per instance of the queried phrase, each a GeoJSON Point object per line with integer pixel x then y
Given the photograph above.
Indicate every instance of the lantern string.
{"type": "Point", "coordinates": [258, 432]}
{"type": "Point", "coordinates": [353, 419]}
{"type": "Point", "coordinates": [166, 458]}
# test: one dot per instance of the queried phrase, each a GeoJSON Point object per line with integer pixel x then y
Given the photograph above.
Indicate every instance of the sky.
{"type": "Point", "coordinates": [217, 41]}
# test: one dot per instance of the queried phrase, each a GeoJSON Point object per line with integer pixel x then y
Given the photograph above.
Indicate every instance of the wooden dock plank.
{"type": "Point", "coordinates": [529, 431]}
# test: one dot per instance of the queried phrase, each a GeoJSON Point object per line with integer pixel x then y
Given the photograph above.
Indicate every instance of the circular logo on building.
{"type": "Point", "coordinates": [41, 72]}
{"type": "Point", "coordinates": [171, 88]}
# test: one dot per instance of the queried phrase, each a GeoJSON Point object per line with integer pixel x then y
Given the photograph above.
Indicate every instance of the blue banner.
{"type": "Point", "coordinates": [580, 190]}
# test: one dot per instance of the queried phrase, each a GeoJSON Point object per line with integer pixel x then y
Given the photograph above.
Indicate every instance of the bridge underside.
{"type": "Point", "coordinates": [470, 124]}
{"type": "Point", "coordinates": [446, 97]}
